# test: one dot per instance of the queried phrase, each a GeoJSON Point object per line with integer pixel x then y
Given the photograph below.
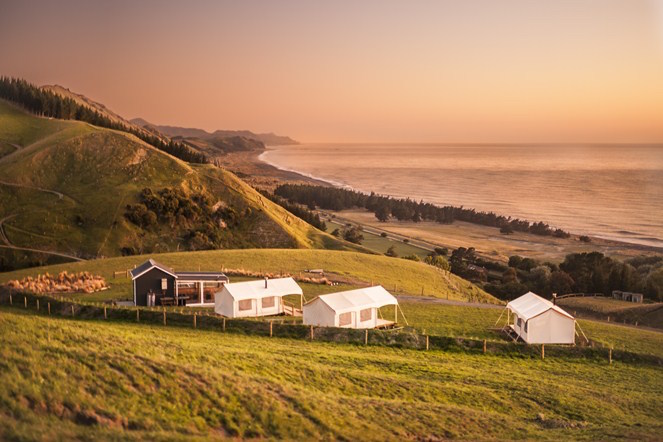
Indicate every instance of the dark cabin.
{"type": "Point", "coordinates": [153, 277]}
{"type": "Point", "coordinates": [175, 288]}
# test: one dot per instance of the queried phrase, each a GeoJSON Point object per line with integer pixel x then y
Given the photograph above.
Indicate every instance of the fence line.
{"type": "Point", "coordinates": [60, 306]}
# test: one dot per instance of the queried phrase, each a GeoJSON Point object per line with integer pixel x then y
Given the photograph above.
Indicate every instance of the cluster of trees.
{"type": "Point", "coordinates": [590, 272]}
{"type": "Point", "coordinates": [193, 217]}
{"type": "Point", "coordinates": [298, 210]}
{"type": "Point", "coordinates": [350, 233]}
{"type": "Point", "coordinates": [384, 207]}
{"type": "Point", "coordinates": [49, 104]}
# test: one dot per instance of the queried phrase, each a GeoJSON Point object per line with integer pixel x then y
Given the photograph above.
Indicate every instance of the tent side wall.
{"type": "Point", "coordinates": [224, 304]}
{"type": "Point", "coordinates": [551, 327]}
{"type": "Point", "coordinates": [368, 323]}
{"type": "Point", "coordinates": [268, 311]}
{"type": "Point", "coordinates": [320, 314]}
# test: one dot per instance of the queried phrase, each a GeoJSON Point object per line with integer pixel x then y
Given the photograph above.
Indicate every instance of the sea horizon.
{"type": "Point", "coordinates": [615, 169]}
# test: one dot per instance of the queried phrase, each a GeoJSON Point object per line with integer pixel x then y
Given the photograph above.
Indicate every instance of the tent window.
{"type": "Point", "coordinates": [268, 302]}
{"type": "Point", "coordinates": [366, 314]}
{"type": "Point", "coordinates": [345, 319]}
{"type": "Point", "coordinates": [164, 284]}
{"type": "Point", "coordinates": [245, 304]}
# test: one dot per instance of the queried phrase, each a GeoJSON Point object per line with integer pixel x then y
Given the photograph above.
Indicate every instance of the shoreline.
{"type": "Point", "coordinates": [303, 176]}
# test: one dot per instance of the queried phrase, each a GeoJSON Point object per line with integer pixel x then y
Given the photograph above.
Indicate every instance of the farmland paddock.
{"type": "Point", "coordinates": [401, 338]}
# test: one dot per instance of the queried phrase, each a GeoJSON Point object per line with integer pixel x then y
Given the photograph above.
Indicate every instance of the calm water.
{"type": "Point", "coordinates": [614, 192]}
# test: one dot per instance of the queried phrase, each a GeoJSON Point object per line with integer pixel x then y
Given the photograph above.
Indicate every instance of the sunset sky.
{"type": "Point", "coordinates": [358, 71]}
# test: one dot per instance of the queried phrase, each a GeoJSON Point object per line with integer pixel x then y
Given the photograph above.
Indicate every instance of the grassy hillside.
{"type": "Point", "coordinates": [89, 380]}
{"type": "Point", "coordinates": [397, 275]}
{"type": "Point", "coordinates": [65, 186]}
{"type": "Point", "coordinates": [650, 315]}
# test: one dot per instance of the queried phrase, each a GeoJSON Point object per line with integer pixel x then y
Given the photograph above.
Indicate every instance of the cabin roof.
{"type": "Point", "coordinates": [352, 300]}
{"type": "Point", "coordinates": [201, 276]}
{"type": "Point", "coordinates": [149, 265]}
{"type": "Point", "coordinates": [257, 290]}
{"type": "Point", "coordinates": [530, 305]}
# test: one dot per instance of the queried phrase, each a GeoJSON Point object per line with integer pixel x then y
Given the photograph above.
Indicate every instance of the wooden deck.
{"type": "Point", "coordinates": [382, 323]}
{"type": "Point", "coordinates": [290, 310]}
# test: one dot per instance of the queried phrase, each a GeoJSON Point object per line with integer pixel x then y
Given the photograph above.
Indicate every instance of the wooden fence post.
{"type": "Point", "coordinates": [484, 346]}
{"type": "Point", "coordinates": [271, 324]}
{"type": "Point", "coordinates": [427, 342]}
{"type": "Point", "coordinates": [543, 351]}
{"type": "Point", "coordinates": [195, 320]}
{"type": "Point", "coordinates": [72, 310]}
{"type": "Point", "coordinates": [137, 315]}
{"type": "Point", "coordinates": [164, 316]}
{"type": "Point", "coordinates": [610, 356]}
{"type": "Point", "coordinates": [25, 301]}
{"type": "Point", "coordinates": [366, 337]}
{"type": "Point", "coordinates": [37, 304]}
{"type": "Point", "coordinates": [105, 313]}
{"type": "Point", "coordinates": [311, 333]}
{"type": "Point", "coordinates": [11, 302]}
{"type": "Point", "coordinates": [49, 309]}
{"type": "Point", "coordinates": [608, 318]}
{"type": "Point", "coordinates": [224, 324]}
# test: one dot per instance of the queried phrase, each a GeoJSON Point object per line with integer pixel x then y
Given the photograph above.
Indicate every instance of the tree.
{"type": "Point", "coordinates": [353, 235]}
{"type": "Point", "coordinates": [561, 282]}
{"type": "Point", "coordinates": [437, 261]}
{"type": "Point", "coordinates": [382, 213]}
{"type": "Point", "coordinates": [391, 251]}
{"type": "Point", "coordinates": [540, 278]}
{"type": "Point", "coordinates": [506, 229]}
{"type": "Point", "coordinates": [443, 251]}
{"type": "Point", "coordinates": [336, 233]}
{"type": "Point", "coordinates": [510, 275]}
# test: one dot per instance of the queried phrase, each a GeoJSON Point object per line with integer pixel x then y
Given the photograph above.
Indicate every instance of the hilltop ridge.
{"type": "Point", "coordinates": [269, 139]}
{"type": "Point", "coordinates": [71, 190]}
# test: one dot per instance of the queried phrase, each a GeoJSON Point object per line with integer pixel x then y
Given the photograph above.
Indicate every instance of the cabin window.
{"type": "Point", "coordinates": [520, 322]}
{"type": "Point", "coordinates": [164, 284]}
{"type": "Point", "coordinates": [366, 314]}
{"type": "Point", "coordinates": [526, 326]}
{"type": "Point", "coordinates": [245, 304]}
{"type": "Point", "coordinates": [268, 302]}
{"type": "Point", "coordinates": [344, 319]}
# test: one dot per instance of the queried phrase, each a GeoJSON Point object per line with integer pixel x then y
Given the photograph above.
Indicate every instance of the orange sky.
{"type": "Point", "coordinates": [395, 71]}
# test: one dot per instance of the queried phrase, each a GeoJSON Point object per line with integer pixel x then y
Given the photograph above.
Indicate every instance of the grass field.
{"type": "Point", "coordinates": [356, 268]}
{"type": "Point", "coordinates": [88, 380]}
{"type": "Point", "coordinates": [650, 315]}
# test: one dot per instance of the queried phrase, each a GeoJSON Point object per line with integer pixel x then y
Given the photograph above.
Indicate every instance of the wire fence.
{"type": "Point", "coordinates": [279, 328]}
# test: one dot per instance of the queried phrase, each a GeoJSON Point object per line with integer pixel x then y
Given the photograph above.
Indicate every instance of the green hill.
{"type": "Point", "coordinates": [89, 380]}
{"type": "Point", "coordinates": [66, 185]}
{"type": "Point", "coordinates": [400, 276]}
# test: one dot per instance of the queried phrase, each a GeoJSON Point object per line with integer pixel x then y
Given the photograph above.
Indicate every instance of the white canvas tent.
{"type": "Point", "coordinates": [539, 321]}
{"type": "Point", "coordinates": [351, 309]}
{"type": "Point", "coordinates": [255, 298]}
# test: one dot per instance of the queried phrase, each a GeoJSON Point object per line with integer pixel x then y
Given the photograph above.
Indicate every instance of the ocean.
{"type": "Point", "coordinates": [609, 191]}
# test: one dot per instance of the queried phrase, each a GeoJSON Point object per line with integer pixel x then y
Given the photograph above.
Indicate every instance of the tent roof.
{"type": "Point", "coordinates": [256, 289]}
{"type": "Point", "coordinates": [530, 305]}
{"type": "Point", "coordinates": [149, 265]}
{"type": "Point", "coordinates": [368, 297]}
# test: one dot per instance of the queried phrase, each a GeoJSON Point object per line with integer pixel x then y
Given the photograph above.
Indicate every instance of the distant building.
{"type": "Point", "coordinates": [628, 296]}
{"type": "Point", "coordinates": [157, 284]}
